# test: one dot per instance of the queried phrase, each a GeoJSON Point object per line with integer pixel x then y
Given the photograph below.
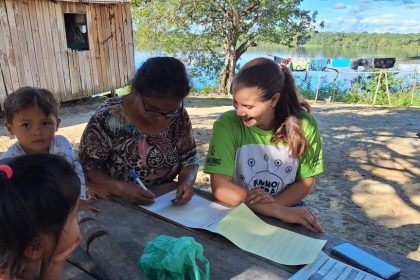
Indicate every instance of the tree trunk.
{"type": "Point", "coordinates": [228, 72]}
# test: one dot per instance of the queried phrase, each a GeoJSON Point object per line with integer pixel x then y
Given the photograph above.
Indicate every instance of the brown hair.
{"type": "Point", "coordinates": [271, 78]}
{"type": "Point", "coordinates": [25, 97]}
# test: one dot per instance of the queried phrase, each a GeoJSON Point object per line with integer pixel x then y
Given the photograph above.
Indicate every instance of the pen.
{"type": "Point", "coordinates": [137, 178]}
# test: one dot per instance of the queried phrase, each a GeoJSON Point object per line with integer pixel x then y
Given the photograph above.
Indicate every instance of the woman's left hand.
{"type": "Point", "coordinates": [258, 196]}
{"type": "Point", "coordinates": [184, 193]}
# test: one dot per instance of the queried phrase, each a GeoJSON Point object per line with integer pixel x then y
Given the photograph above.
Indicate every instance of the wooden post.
{"type": "Point", "coordinates": [377, 88]}
{"type": "Point", "coordinates": [317, 87]}
{"type": "Point", "coordinates": [335, 89]}
{"type": "Point", "coordinates": [386, 85]}
{"type": "Point", "coordinates": [414, 87]}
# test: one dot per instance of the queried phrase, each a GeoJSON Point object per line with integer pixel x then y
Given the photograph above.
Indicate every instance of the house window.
{"type": "Point", "coordinates": [76, 31]}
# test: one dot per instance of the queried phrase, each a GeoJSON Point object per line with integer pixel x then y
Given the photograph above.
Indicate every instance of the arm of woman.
{"type": "Point", "coordinates": [103, 184]}
{"type": "Point", "coordinates": [295, 192]}
{"type": "Point", "coordinates": [225, 191]}
{"type": "Point", "coordinates": [186, 179]}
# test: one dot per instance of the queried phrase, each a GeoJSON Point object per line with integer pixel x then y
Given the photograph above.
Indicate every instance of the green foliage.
{"type": "Point", "coordinates": [326, 90]}
{"type": "Point", "coordinates": [211, 35]}
{"type": "Point", "coordinates": [208, 90]}
{"type": "Point", "coordinates": [363, 89]}
{"type": "Point", "coordinates": [364, 39]}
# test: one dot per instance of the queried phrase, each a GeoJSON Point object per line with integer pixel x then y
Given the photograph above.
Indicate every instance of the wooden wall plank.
{"type": "Point", "coordinates": [74, 72]}
{"type": "Point", "coordinates": [121, 49]}
{"type": "Point", "coordinates": [92, 48]}
{"type": "Point", "coordinates": [48, 75]}
{"type": "Point", "coordinates": [64, 7]}
{"type": "Point", "coordinates": [3, 91]}
{"type": "Point", "coordinates": [63, 47]}
{"type": "Point", "coordinates": [109, 49]}
{"type": "Point", "coordinates": [113, 46]}
{"type": "Point", "coordinates": [29, 41]}
{"type": "Point", "coordinates": [36, 39]}
{"type": "Point", "coordinates": [130, 43]}
{"type": "Point", "coordinates": [104, 51]}
{"type": "Point", "coordinates": [55, 44]}
{"type": "Point", "coordinates": [95, 17]}
{"type": "Point", "coordinates": [75, 75]}
{"type": "Point", "coordinates": [5, 43]}
{"type": "Point", "coordinates": [15, 44]}
{"type": "Point", "coordinates": [88, 72]}
{"type": "Point", "coordinates": [118, 24]}
{"type": "Point", "coordinates": [49, 45]}
{"type": "Point", "coordinates": [125, 43]}
{"type": "Point", "coordinates": [84, 61]}
{"type": "Point", "coordinates": [23, 46]}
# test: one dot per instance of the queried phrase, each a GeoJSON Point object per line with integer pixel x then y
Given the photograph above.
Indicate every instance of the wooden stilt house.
{"type": "Point", "coordinates": [73, 48]}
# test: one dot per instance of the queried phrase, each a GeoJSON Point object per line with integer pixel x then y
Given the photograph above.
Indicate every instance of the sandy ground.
{"type": "Point", "coordinates": [370, 192]}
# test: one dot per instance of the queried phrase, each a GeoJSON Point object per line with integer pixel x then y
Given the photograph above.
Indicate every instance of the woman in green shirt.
{"type": "Point", "coordinates": [267, 151]}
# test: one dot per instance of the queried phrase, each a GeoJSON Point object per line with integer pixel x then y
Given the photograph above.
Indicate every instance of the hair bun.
{"type": "Point", "coordinates": [7, 170]}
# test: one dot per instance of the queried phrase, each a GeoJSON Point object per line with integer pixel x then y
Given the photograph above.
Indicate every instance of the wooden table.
{"type": "Point", "coordinates": [132, 227]}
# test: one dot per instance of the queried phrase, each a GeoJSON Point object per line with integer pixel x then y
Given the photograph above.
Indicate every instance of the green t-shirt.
{"type": "Point", "coordinates": [247, 155]}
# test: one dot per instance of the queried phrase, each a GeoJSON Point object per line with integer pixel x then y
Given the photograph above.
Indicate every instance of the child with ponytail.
{"type": "Point", "coordinates": [267, 151]}
{"type": "Point", "coordinates": [39, 222]}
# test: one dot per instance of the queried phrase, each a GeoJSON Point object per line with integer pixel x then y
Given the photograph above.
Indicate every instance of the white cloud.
{"type": "Point", "coordinates": [397, 16]}
{"type": "Point", "coordinates": [339, 6]}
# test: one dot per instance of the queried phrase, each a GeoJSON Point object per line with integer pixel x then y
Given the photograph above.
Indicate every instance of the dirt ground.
{"type": "Point", "coordinates": [370, 191]}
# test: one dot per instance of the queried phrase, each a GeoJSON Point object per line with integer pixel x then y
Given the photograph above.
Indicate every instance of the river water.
{"type": "Point", "coordinates": [407, 61]}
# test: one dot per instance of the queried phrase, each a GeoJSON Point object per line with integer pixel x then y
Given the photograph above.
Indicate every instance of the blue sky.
{"type": "Point", "coordinates": [395, 16]}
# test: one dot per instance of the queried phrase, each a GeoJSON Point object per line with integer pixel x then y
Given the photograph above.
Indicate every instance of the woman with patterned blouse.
{"type": "Point", "coordinates": [148, 132]}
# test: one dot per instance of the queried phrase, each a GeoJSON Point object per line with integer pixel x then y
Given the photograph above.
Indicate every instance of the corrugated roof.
{"type": "Point", "coordinates": [97, 1]}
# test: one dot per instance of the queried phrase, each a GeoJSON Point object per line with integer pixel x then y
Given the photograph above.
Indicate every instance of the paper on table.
{"type": "Point", "coordinates": [325, 267]}
{"type": "Point", "coordinates": [252, 234]}
{"type": "Point", "coordinates": [197, 213]}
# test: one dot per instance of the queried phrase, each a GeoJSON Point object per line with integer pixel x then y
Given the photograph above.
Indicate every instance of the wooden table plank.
{"type": "Point", "coordinates": [410, 269]}
{"type": "Point", "coordinates": [71, 272]}
{"type": "Point", "coordinates": [133, 229]}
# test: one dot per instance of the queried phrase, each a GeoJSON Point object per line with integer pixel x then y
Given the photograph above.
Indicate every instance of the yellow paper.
{"type": "Point", "coordinates": [250, 233]}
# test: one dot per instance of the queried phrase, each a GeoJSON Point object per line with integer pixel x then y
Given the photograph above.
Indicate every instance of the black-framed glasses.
{"type": "Point", "coordinates": [167, 115]}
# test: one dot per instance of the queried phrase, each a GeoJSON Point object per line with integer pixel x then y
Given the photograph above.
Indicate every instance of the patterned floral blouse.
{"type": "Point", "coordinates": [111, 143]}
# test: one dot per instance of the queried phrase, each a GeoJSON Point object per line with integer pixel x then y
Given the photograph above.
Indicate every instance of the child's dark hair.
{"type": "Point", "coordinates": [37, 199]}
{"type": "Point", "coordinates": [162, 77]}
{"type": "Point", "coordinates": [271, 78]}
{"type": "Point", "coordinates": [26, 97]}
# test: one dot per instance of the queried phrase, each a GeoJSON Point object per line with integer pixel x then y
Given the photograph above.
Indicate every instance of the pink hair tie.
{"type": "Point", "coordinates": [6, 169]}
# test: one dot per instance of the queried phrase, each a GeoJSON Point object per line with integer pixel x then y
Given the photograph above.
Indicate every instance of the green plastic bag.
{"type": "Point", "coordinates": [167, 257]}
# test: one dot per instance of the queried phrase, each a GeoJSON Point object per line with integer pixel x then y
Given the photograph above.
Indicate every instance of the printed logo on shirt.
{"type": "Point", "coordinates": [265, 167]}
{"type": "Point", "coordinates": [269, 178]}
{"type": "Point", "coordinates": [315, 161]}
{"type": "Point", "coordinates": [212, 150]}
{"type": "Point", "coordinates": [213, 161]}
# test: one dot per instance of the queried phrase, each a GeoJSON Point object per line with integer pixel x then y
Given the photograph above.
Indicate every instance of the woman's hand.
{"type": "Point", "coordinates": [301, 215]}
{"type": "Point", "coordinates": [184, 193]}
{"type": "Point", "coordinates": [134, 194]}
{"type": "Point", "coordinates": [258, 196]}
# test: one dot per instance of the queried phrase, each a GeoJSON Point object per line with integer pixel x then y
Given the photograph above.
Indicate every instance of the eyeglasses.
{"type": "Point", "coordinates": [167, 115]}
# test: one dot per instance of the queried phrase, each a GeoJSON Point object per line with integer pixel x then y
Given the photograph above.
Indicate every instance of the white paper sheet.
{"type": "Point", "coordinates": [198, 213]}
{"type": "Point", "coordinates": [247, 231]}
{"type": "Point", "coordinates": [326, 268]}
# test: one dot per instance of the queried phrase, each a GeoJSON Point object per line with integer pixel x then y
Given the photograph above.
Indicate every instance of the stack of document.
{"type": "Point", "coordinates": [325, 267]}
{"type": "Point", "coordinates": [241, 226]}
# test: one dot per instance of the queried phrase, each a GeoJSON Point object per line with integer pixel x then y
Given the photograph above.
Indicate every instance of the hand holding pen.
{"type": "Point", "coordinates": [138, 180]}
{"type": "Point", "coordinates": [144, 196]}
